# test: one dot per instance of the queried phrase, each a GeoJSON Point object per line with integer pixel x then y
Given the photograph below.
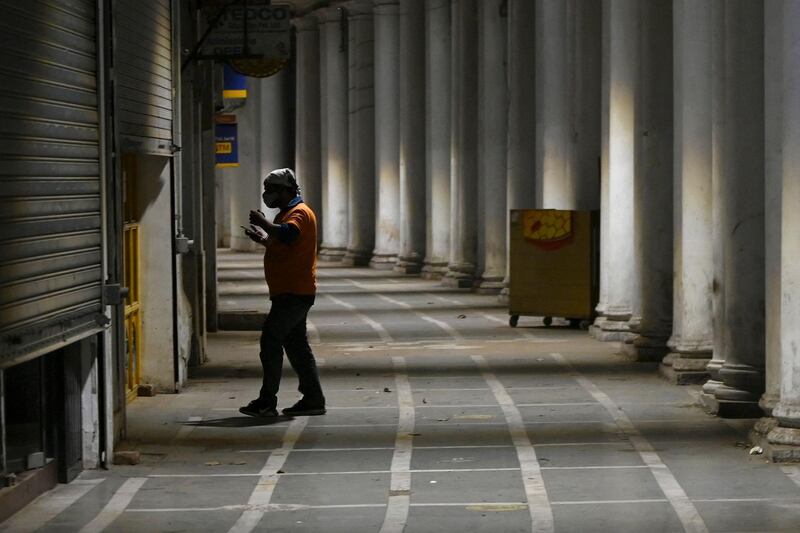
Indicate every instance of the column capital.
{"type": "Point", "coordinates": [306, 23]}
{"type": "Point", "coordinates": [358, 8]}
{"type": "Point", "coordinates": [329, 14]}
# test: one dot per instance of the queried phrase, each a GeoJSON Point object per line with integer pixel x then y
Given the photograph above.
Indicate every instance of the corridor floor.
{"type": "Point", "coordinates": [441, 418]}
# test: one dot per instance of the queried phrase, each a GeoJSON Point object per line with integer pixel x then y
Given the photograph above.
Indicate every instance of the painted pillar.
{"type": "Point", "coordinates": [773, 170]}
{"type": "Point", "coordinates": [308, 165]}
{"type": "Point", "coordinates": [787, 411]}
{"type": "Point", "coordinates": [653, 188]}
{"type": "Point", "coordinates": [742, 184]}
{"type": "Point", "coordinates": [387, 133]}
{"type": "Point", "coordinates": [521, 71]}
{"type": "Point", "coordinates": [622, 80]}
{"type": "Point", "coordinates": [717, 206]}
{"type": "Point", "coordinates": [412, 137]}
{"type": "Point", "coordinates": [334, 106]}
{"type": "Point", "coordinates": [492, 142]}
{"type": "Point", "coordinates": [464, 145]}
{"type": "Point", "coordinates": [437, 128]}
{"type": "Point", "coordinates": [692, 332]}
{"type": "Point", "coordinates": [361, 127]}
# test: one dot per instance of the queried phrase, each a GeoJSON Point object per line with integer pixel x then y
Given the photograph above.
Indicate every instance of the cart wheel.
{"type": "Point", "coordinates": [513, 320]}
{"type": "Point", "coordinates": [548, 320]}
{"type": "Point", "coordinates": [584, 325]}
{"type": "Point", "coordinates": [575, 323]}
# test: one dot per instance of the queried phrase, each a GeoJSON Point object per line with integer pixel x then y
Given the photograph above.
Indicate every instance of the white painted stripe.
{"type": "Point", "coordinates": [685, 509]}
{"type": "Point", "coordinates": [486, 316]}
{"type": "Point", "coordinates": [450, 330]}
{"type": "Point", "coordinates": [608, 502]}
{"type": "Point", "coordinates": [268, 478]}
{"type": "Point", "coordinates": [47, 506]}
{"type": "Point", "coordinates": [299, 450]}
{"type": "Point", "coordinates": [793, 472]}
{"type": "Point", "coordinates": [263, 509]}
{"type": "Point", "coordinates": [115, 506]}
{"type": "Point", "coordinates": [347, 473]}
{"type": "Point", "coordinates": [400, 485]}
{"type": "Point", "coordinates": [186, 429]}
{"type": "Point", "coordinates": [376, 326]}
{"type": "Point", "coordinates": [313, 332]}
{"type": "Point", "coordinates": [535, 491]}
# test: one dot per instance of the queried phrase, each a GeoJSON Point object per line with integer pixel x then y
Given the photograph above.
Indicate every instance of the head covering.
{"type": "Point", "coordinates": [283, 177]}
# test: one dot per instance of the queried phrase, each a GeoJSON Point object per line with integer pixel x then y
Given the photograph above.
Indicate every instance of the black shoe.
{"type": "Point", "coordinates": [256, 408]}
{"type": "Point", "coordinates": [305, 408]}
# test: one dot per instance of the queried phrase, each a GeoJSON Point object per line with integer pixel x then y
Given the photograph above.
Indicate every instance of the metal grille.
{"type": "Point", "coordinates": [143, 66]}
{"type": "Point", "coordinates": [50, 205]}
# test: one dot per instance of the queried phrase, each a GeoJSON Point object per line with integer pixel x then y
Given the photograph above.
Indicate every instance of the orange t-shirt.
{"type": "Point", "coordinates": [292, 268]}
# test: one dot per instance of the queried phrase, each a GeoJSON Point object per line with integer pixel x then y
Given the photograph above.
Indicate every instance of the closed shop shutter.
{"type": "Point", "coordinates": [50, 202]}
{"type": "Point", "coordinates": [143, 79]}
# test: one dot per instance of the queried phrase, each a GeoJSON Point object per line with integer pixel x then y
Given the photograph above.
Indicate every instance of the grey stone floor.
{"type": "Point", "coordinates": [441, 418]}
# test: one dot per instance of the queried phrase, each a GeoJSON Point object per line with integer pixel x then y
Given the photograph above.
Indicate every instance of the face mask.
{"type": "Point", "coordinates": [270, 199]}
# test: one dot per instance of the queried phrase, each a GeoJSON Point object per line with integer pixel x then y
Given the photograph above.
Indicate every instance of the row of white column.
{"type": "Point", "coordinates": [700, 197]}
{"type": "Point", "coordinates": [427, 133]}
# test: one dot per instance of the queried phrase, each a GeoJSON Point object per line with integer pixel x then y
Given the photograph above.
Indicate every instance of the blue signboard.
{"type": "Point", "coordinates": [233, 85]}
{"type": "Point", "coordinates": [226, 142]}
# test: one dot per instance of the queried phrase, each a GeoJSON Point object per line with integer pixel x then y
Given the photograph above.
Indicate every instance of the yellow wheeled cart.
{"type": "Point", "coordinates": [554, 269]}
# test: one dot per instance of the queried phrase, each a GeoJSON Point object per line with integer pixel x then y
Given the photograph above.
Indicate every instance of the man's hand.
{"type": "Point", "coordinates": [256, 234]}
{"type": "Point", "coordinates": [258, 219]}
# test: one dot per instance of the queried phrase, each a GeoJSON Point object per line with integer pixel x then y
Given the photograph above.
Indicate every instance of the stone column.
{"type": "Point", "coordinates": [308, 165]}
{"type": "Point", "coordinates": [412, 137]}
{"type": "Point", "coordinates": [387, 133]}
{"type": "Point", "coordinates": [785, 439]}
{"type": "Point", "coordinates": [464, 145]}
{"type": "Point", "coordinates": [742, 184]}
{"type": "Point", "coordinates": [623, 65]}
{"type": "Point", "coordinates": [692, 332]}
{"type": "Point", "coordinates": [492, 142]}
{"type": "Point", "coordinates": [335, 172]}
{"type": "Point", "coordinates": [773, 170]}
{"type": "Point", "coordinates": [361, 129]}
{"type": "Point", "coordinates": [437, 128]}
{"type": "Point", "coordinates": [653, 190]}
{"type": "Point", "coordinates": [520, 159]}
{"type": "Point", "coordinates": [717, 206]}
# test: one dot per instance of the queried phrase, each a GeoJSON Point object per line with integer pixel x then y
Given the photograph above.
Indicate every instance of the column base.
{"type": "Point", "coordinates": [736, 403]}
{"type": "Point", "coordinates": [331, 253]}
{"type": "Point", "coordinates": [709, 403]}
{"type": "Point", "coordinates": [357, 258]}
{"type": "Point", "coordinates": [780, 444]}
{"type": "Point", "coordinates": [408, 265]}
{"type": "Point", "coordinates": [459, 276]}
{"type": "Point", "coordinates": [505, 296]}
{"type": "Point", "coordinates": [681, 368]}
{"type": "Point", "coordinates": [383, 261]}
{"type": "Point", "coordinates": [597, 327]}
{"type": "Point", "coordinates": [646, 349]}
{"type": "Point", "coordinates": [612, 330]}
{"type": "Point", "coordinates": [741, 382]}
{"type": "Point", "coordinates": [433, 270]}
{"type": "Point", "coordinates": [491, 285]}
{"type": "Point", "coordinates": [768, 402]}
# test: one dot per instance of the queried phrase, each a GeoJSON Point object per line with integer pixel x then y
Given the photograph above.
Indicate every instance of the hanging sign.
{"type": "Point", "coordinates": [226, 148]}
{"type": "Point", "coordinates": [253, 36]}
{"type": "Point", "coordinates": [233, 85]}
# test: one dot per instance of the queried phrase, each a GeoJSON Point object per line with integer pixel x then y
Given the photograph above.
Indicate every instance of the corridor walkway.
{"type": "Point", "coordinates": [441, 418]}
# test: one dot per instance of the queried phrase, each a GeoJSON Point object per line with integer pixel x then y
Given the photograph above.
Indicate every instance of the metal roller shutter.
{"type": "Point", "coordinates": [143, 65]}
{"type": "Point", "coordinates": [50, 202]}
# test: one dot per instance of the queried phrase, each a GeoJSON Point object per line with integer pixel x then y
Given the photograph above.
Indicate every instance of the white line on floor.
{"type": "Point", "coordinates": [535, 490]}
{"type": "Point", "coordinates": [461, 447]}
{"type": "Point", "coordinates": [376, 326]}
{"type": "Point", "coordinates": [685, 509]}
{"type": "Point", "coordinates": [793, 472]}
{"type": "Point", "coordinates": [313, 332]}
{"type": "Point", "coordinates": [268, 478]}
{"type": "Point", "coordinates": [406, 474]}
{"type": "Point", "coordinates": [48, 506]}
{"type": "Point", "coordinates": [485, 316]}
{"type": "Point", "coordinates": [115, 506]}
{"type": "Point", "coordinates": [400, 485]}
{"type": "Point", "coordinates": [447, 328]}
{"type": "Point", "coordinates": [186, 429]}
{"type": "Point", "coordinates": [607, 502]}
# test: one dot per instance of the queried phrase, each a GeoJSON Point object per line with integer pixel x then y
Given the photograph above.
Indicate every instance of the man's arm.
{"type": "Point", "coordinates": [286, 233]}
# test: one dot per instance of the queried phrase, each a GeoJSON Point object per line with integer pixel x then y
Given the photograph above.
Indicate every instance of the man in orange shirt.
{"type": "Point", "coordinates": [290, 265]}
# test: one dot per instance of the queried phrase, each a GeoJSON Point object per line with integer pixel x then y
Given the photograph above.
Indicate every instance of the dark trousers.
{"type": "Point", "coordinates": [285, 328]}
